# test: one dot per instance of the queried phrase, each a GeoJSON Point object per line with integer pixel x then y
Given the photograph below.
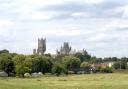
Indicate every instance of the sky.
{"type": "Point", "coordinates": [99, 26]}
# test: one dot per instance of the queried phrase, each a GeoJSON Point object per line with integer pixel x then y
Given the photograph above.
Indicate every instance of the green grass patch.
{"type": "Point", "coordinates": [89, 81]}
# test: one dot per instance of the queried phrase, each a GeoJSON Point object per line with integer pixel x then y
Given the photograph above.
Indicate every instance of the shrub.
{"type": "Point", "coordinates": [58, 69]}
{"type": "Point", "coordinates": [106, 70]}
{"type": "Point", "coordinates": [71, 63]}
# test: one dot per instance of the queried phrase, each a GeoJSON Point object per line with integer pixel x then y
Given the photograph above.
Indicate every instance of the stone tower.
{"type": "Point", "coordinates": [41, 47]}
{"type": "Point", "coordinates": [65, 49]}
{"type": "Point", "coordinates": [34, 51]}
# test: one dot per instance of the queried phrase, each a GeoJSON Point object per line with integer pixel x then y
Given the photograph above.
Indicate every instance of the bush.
{"type": "Point", "coordinates": [106, 70]}
{"type": "Point", "coordinates": [71, 63]}
{"type": "Point", "coordinates": [58, 69]}
{"type": "Point", "coordinates": [48, 74]}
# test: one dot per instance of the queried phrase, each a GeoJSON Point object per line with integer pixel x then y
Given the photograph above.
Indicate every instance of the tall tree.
{"type": "Point", "coordinates": [58, 69]}
{"type": "Point", "coordinates": [83, 56]}
{"type": "Point", "coordinates": [42, 64]}
{"type": "Point", "coordinates": [22, 64]}
{"type": "Point", "coordinates": [6, 63]}
{"type": "Point", "coordinates": [71, 63]}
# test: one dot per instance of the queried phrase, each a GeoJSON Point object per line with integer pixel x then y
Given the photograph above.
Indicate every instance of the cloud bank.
{"type": "Point", "coordinates": [100, 26]}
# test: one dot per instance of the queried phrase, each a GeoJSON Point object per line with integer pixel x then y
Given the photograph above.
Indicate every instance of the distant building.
{"type": "Point", "coordinates": [102, 65]}
{"type": "Point", "coordinates": [64, 50]}
{"type": "Point", "coordinates": [41, 47]}
{"type": "Point", "coordinates": [34, 51]}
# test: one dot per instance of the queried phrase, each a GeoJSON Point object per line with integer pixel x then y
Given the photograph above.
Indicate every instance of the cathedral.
{"type": "Point", "coordinates": [65, 49]}
{"type": "Point", "coordinates": [41, 47]}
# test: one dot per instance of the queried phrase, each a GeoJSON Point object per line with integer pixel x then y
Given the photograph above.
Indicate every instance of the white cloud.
{"type": "Point", "coordinates": [98, 37]}
{"type": "Point", "coordinates": [80, 14]}
{"type": "Point", "coordinates": [4, 23]}
{"type": "Point", "coordinates": [41, 2]}
{"type": "Point", "coordinates": [93, 1]}
{"type": "Point", "coordinates": [21, 23]}
{"type": "Point", "coordinates": [125, 14]}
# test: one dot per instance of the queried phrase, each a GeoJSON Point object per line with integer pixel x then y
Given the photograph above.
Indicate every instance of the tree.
{"type": "Point", "coordinates": [48, 55]}
{"type": "Point", "coordinates": [10, 68]}
{"type": "Point", "coordinates": [124, 59]}
{"type": "Point", "coordinates": [4, 58]}
{"type": "Point", "coordinates": [4, 51]}
{"type": "Point", "coordinates": [71, 63]}
{"type": "Point", "coordinates": [22, 64]}
{"type": "Point", "coordinates": [114, 58]}
{"type": "Point", "coordinates": [41, 64]}
{"type": "Point", "coordinates": [80, 56]}
{"type": "Point", "coordinates": [85, 65]}
{"type": "Point", "coordinates": [58, 69]}
{"type": "Point", "coordinates": [83, 56]}
{"type": "Point", "coordinates": [120, 65]}
{"type": "Point", "coordinates": [6, 63]}
{"type": "Point", "coordinates": [93, 59]}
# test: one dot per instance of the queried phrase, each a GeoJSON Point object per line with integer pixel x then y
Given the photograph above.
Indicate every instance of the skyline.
{"type": "Point", "coordinates": [99, 26]}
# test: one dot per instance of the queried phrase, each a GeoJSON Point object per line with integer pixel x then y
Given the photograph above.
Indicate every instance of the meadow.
{"type": "Point", "coordinates": [87, 81]}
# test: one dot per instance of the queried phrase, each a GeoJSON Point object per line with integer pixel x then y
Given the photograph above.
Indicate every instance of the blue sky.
{"type": "Point", "coordinates": [99, 26]}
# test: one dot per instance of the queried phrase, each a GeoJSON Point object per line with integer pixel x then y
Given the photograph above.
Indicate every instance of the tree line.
{"type": "Point", "coordinates": [18, 64]}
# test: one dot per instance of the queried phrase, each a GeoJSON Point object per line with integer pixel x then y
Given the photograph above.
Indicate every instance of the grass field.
{"type": "Point", "coordinates": [89, 81]}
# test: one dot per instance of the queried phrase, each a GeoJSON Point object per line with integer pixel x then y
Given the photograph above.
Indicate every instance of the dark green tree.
{"type": "Point", "coordinates": [6, 63]}
{"type": "Point", "coordinates": [71, 63]}
{"type": "Point", "coordinates": [42, 64]}
{"type": "Point", "coordinates": [58, 69]}
{"type": "Point", "coordinates": [83, 57]}
{"type": "Point", "coordinates": [120, 65]}
{"type": "Point", "coordinates": [4, 51]}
